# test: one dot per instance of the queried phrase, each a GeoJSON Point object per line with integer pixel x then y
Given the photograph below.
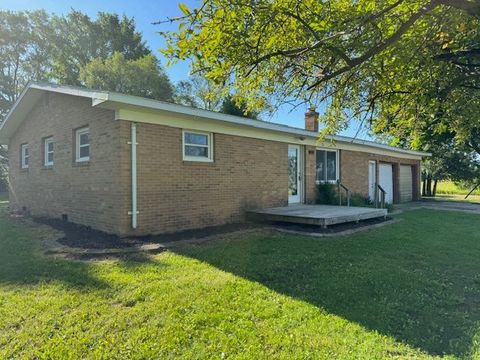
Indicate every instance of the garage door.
{"type": "Point", "coordinates": [385, 179]}
{"type": "Point", "coordinates": [406, 183]}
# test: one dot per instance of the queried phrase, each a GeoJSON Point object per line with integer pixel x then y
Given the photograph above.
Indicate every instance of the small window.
{"type": "Point", "coordinates": [82, 140]}
{"type": "Point", "coordinates": [48, 151]}
{"type": "Point", "coordinates": [197, 146]}
{"type": "Point", "coordinates": [327, 166]}
{"type": "Point", "coordinates": [25, 156]}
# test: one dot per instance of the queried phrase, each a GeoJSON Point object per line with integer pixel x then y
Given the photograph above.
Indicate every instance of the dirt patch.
{"type": "Point", "coordinates": [84, 237]}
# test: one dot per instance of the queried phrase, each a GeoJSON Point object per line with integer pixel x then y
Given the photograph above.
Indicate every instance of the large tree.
{"type": "Point", "coordinates": [140, 77]}
{"type": "Point", "coordinates": [24, 53]}
{"type": "Point", "coordinates": [77, 40]}
{"type": "Point", "coordinates": [404, 67]}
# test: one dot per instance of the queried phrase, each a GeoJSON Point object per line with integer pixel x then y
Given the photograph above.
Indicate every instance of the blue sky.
{"type": "Point", "coordinates": [145, 13]}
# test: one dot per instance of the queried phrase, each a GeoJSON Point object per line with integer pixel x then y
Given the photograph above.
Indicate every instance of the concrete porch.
{"type": "Point", "coordinates": [322, 215]}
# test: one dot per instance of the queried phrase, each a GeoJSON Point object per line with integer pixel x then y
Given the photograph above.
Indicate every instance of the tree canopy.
{"type": "Point", "coordinates": [407, 68]}
{"type": "Point", "coordinates": [140, 77]}
{"type": "Point", "coordinates": [36, 46]}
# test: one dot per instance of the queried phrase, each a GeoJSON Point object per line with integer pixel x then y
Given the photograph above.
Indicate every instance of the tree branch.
{"type": "Point", "coordinates": [379, 47]}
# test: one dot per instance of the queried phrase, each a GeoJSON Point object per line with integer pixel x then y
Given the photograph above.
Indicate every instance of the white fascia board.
{"type": "Point", "coordinates": [117, 101]}
{"type": "Point", "coordinates": [136, 102]}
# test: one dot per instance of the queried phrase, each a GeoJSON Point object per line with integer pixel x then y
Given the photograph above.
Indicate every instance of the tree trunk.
{"type": "Point", "coordinates": [435, 188]}
{"type": "Point", "coordinates": [429, 185]}
{"type": "Point", "coordinates": [424, 187]}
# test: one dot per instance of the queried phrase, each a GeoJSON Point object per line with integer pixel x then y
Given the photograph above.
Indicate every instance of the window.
{"type": "Point", "coordinates": [48, 152]}
{"type": "Point", "coordinates": [327, 166]}
{"type": "Point", "coordinates": [197, 146]}
{"type": "Point", "coordinates": [25, 155]}
{"type": "Point", "coordinates": [82, 142]}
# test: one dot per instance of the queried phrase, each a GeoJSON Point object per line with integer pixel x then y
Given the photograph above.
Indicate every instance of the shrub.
{"type": "Point", "coordinates": [327, 194]}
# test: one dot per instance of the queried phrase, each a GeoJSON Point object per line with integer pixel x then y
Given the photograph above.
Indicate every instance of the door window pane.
{"type": "Point", "coordinates": [292, 172]}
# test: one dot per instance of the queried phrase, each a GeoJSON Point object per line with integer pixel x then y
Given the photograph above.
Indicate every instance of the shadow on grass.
{"type": "Point", "coordinates": [22, 261]}
{"type": "Point", "coordinates": [418, 280]}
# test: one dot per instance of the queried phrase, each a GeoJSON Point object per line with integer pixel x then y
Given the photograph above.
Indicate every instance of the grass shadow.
{"type": "Point", "coordinates": [417, 280]}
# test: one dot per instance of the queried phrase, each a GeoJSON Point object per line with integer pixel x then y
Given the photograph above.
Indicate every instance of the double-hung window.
{"type": "Point", "coordinates": [327, 166]}
{"type": "Point", "coordinates": [82, 144]}
{"type": "Point", "coordinates": [197, 146]}
{"type": "Point", "coordinates": [24, 156]}
{"type": "Point", "coordinates": [48, 150]}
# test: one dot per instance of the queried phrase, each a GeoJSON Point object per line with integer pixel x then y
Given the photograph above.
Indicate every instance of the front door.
{"type": "Point", "coordinates": [372, 179]}
{"type": "Point", "coordinates": [294, 174]}
{"type": "Point", "coordinates": [385, 179]}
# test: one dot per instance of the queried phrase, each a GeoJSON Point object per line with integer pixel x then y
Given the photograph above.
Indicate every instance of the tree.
{"type": "Point", "coordinates": [77, 40]}
{"type": "Point", "coordinates": [24, 53]}
{"type": "Point", "coordinates": [231, 107]}
{"type": "Point", "coordinates": [3, 168]}
{"type": "Point", "coordinates": [403, 67]}
{"type": "Point", "coordinates": [198, 92]}
{"type": "Point", "coordinates": [141, 77]}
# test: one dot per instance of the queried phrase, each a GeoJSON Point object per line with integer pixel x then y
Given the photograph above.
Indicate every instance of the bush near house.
{"type": "Point", "coordinates": [327, 194]}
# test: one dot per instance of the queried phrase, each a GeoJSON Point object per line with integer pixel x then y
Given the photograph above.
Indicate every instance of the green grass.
{"type": "Point", "coordinates": [450, 188]}
{"type": "Point", "coordinates": [408, 290]}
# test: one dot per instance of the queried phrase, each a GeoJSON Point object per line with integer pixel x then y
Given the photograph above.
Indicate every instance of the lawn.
{"type": "Point", "coordinates": [408, 290]}
{"type": "Point", "coordinates": [449, 187]}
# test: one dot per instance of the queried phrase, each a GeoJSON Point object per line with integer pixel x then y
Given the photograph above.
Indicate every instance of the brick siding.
{"type": "Point", "coordinates": [354, 172]}
{"type": "Point", "coordinates": [86, 192]}
{"type": "Point", "coordinates": [175, 195]}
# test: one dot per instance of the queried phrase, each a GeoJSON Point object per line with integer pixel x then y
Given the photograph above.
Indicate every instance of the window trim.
{"type": "Point", "coordinates": [337, 166]}
{"type": "Point", "coordinates": [78, 133]}
{"type": "Point", "coordinates": [47, 141]}
{"type": "Point", "coordinates": [23, 164]}
{"type": "Point", "coordinates": [209, 146]}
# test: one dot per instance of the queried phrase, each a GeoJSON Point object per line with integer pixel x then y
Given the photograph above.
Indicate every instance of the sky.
{"type": "Point", "coordinates": [146, 12]}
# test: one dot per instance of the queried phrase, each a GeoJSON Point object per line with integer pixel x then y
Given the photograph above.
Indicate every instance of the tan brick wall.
{"type": "Point", "coordinates": [87, 193]}
{"type": "Point", "coordinates": [175, 195]}
{"type": "Point", "coordinates": [354, 171]}
{"type": "Point", "coordinates": [310, 174]}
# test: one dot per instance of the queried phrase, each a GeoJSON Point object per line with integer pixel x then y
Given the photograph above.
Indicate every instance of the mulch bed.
{"type": "Point", "coordinates": [84, 237]}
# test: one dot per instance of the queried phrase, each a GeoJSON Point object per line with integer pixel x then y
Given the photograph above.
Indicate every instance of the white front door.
{"type": "Point", "coordinates": [294, 174]}
{"type": "Point", "coordinates": [385, 179]}
{"type": "Point", "coordinates": [372, 179]}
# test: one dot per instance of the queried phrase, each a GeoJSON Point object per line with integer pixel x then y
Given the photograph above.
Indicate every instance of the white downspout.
{"type": "Point", "coordinates": [133, 143]}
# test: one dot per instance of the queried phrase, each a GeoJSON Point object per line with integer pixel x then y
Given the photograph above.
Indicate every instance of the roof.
{"type": "Point", "coordinates": [107, 99]}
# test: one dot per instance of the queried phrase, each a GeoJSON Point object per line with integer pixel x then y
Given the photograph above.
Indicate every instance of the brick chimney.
{"type": "Point", "coordinates": [311, 120]}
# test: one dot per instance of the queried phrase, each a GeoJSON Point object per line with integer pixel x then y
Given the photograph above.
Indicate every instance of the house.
{"type": "Point", "coordinates": [134, 166]}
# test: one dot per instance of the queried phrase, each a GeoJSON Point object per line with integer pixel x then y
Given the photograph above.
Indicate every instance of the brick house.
{"type": "Point", "coordinates": [135, 166]}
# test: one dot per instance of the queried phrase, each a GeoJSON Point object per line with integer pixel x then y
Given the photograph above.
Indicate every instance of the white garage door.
{"type": "Point", "coordinates": [406, 183]}
{"type": "Point", "coordinates": [385, 179]}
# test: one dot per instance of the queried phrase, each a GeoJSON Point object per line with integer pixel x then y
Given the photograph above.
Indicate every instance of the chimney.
{"type": "Point", "coordinates": [311, 120]}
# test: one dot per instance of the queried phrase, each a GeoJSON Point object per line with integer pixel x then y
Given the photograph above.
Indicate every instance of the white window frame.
{"type": "Point", "coordinates": [337, 166]}
{"type": "Point", "coordinates": [209, 146]}
{"type": "Point", "coordinates": [46, 142]}
{"type": "Point", "coordinates": [78, 133]}
{"type": "Point", "coordinates": [24, 156]}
